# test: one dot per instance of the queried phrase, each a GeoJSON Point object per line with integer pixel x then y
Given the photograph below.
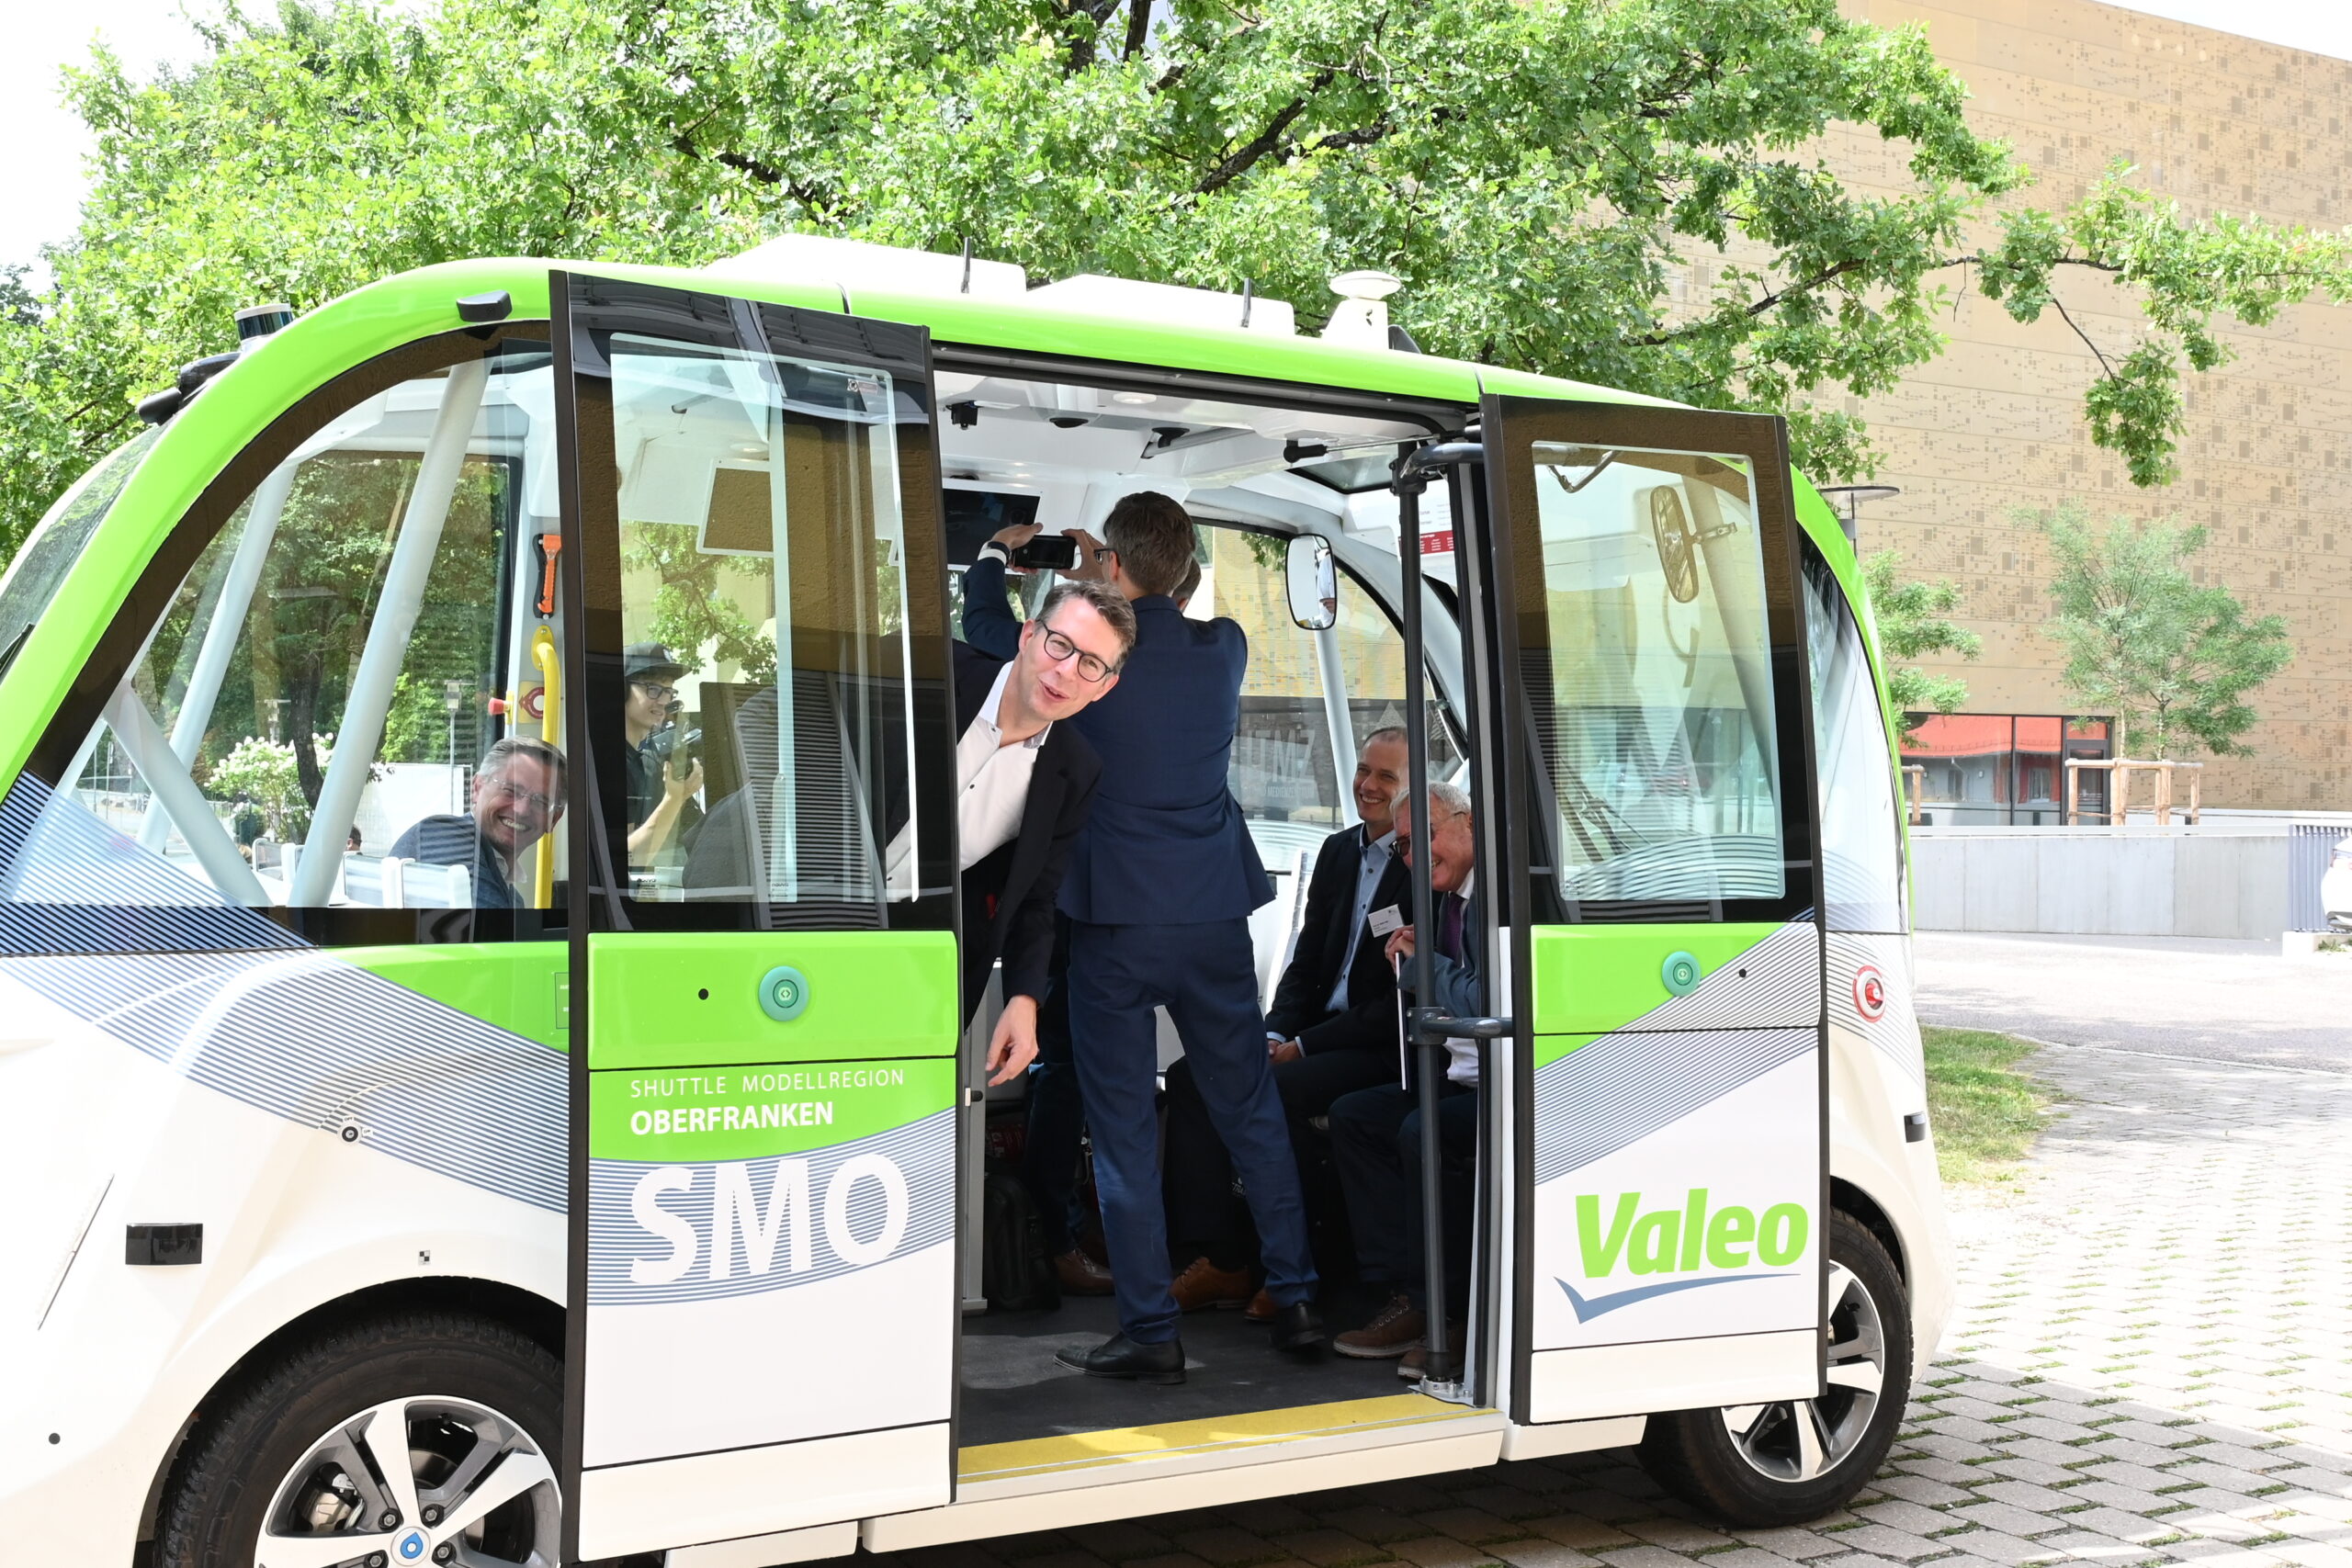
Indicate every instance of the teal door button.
{"type": "Point", "coordinates": [784, 993]}
{"type": "Point", "coordinates": [1680, 974]}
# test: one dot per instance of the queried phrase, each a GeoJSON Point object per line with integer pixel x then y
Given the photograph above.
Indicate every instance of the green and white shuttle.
{"type": "Point", "coordinates": [619, 1196]}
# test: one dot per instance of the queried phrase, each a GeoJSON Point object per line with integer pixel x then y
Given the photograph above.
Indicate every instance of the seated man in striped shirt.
{"type": "Point", "coordinates": [518, 799]}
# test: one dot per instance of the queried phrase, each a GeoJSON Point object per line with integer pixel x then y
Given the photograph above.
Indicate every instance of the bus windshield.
{"type": "Point", "coordinates": [57, 541]}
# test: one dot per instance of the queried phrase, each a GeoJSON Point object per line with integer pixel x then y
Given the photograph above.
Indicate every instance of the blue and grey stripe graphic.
{"type": "Point", "coordinates": [321, 1043]}
{"type": "Point", "coordinates": [923, 1152]}
{"type": "Point", "coordinates": [70, 884]}
{"type": "Point", "coordinates": [1621, 1087]}
{"type": "Point", "coordinates": [1629, 1083]}
{"type": "Point", "coordinates": [1781, 988]}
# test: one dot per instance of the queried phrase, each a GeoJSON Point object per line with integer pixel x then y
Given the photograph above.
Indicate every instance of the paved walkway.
{"type": "Point", "coordinates": [2226, 1000]}
{"type": "Point", "coordinates": [2150, 1367]}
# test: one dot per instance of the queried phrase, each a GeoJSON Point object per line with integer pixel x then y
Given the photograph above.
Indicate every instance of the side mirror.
{"type": "Point", "coordinates": [1311, 578]}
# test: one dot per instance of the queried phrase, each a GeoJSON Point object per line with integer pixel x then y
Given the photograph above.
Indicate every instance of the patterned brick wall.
{"type": "Point", "coordinates": [2223, 124]}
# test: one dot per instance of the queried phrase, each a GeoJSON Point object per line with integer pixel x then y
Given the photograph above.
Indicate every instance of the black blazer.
{"type": "Point", "coordinates": [1009, 894]}
{"type": "Point", "coordinates": [1370, 1020]}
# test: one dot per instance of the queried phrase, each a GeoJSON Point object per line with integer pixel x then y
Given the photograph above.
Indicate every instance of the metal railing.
{"type": "Point", "coordinates": [2308, 846]}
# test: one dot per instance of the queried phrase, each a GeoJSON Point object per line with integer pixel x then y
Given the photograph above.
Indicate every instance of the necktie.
{"type": "Point", "coordinates": [1449, 926]}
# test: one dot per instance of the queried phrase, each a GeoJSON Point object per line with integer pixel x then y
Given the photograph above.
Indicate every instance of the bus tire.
{"type": "Point", "coordinates": [1780, 1464]}
{"type": "Point", "coordinates": [275, 1451]}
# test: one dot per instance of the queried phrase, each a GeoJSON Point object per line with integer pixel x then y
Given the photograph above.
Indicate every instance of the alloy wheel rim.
{"type": "Point", "coordinates": [423, 1480]}
{"type": "Point", "coordinates": [1803, 1440]}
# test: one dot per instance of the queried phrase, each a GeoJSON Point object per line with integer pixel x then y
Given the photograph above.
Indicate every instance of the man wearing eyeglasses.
{"type": "Point", "coordinates": [1158, 893]}
{"type": "Point", "coordinates": [661, 784]}
{"type": "Point", "coordinates": [1024, 780]}
{"type": "Point", "coordinates": [518, 798]}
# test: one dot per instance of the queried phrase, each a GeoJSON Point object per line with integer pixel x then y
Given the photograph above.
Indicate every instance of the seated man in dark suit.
{"type": "Point", "coordinates": [1376, 1132]}
{"type": "Point", "coordinates": [518, 798]}
{"type": "Point", "coordinates": [1332, 1029]}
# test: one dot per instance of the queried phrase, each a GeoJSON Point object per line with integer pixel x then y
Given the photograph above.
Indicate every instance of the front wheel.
{"type": "Point", "coordinates": [1783, 1463]}
{"type": "Point", "coordinates": [417, 1438]}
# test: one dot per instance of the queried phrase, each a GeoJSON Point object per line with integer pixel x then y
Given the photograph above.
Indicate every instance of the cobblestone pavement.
{"type": "Point", "coordinates": [2149, 1367]}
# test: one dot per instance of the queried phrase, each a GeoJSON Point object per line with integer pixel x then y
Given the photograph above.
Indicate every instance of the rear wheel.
{"type": "Point", "coordinates": [1796, 1460]}
{"type": "Point", "coordinates": [423, 1438]}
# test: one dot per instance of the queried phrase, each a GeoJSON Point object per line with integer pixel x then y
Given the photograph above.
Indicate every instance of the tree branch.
{"type": "Point", "coordinates": [1251, 151]}
{"type": "Point", "coordinates": [1806, 285]}
{"type": "Point", "coordinates": [766, 174]}
{"type": "Point", "coordinates": [2104, 368]}
{"type": "Point", "coordinates": [1139, 27]}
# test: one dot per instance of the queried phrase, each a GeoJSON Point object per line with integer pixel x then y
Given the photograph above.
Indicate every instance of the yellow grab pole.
{"type": "Point", "coordinates": [551, 730]}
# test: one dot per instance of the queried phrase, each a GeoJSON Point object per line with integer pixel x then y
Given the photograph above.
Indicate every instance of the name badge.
{"type": "Point", "coordinates": [1386, 921]}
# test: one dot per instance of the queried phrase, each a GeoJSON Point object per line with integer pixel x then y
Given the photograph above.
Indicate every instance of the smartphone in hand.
{"type": "Point", "coordinates": [1049, 552]}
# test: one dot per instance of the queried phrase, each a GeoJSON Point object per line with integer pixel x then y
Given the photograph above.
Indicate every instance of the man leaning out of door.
{"type": "Point", "coordinates": [1025, 779]}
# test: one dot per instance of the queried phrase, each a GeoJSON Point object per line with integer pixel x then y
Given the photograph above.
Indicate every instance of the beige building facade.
{"type": "Point", "coordinates": [2221, 124]}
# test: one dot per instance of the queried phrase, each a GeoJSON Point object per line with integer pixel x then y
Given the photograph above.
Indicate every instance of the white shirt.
{"type": "Point", "coordinates": [991, 779]}
{"type": "Point", "coordinates": [1372, 864]}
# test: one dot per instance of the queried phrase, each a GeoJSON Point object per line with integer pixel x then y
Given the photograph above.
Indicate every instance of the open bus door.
{"type": "Point", "coordinates": [765, 1019]}
{"type": "Point", "coordinates": [1666, 1081]}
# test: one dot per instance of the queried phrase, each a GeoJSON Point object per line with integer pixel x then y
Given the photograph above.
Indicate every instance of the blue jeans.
{"type": "Point", "coordinates": [1206, 975]}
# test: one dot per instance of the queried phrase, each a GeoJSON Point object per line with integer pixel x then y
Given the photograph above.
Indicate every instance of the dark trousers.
{"type": "Point", "coordinates": [1197, 1174]}
{"type": "Point", "coordinates": [1205, 976]}
{"type": "Point", "coordinates": [1376, 1141]}
{"type": "Point", "coordinates": [1055, 1120]}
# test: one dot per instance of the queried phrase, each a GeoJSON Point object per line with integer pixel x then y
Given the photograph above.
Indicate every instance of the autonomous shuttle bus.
{"type": "Point", "coordinates": [613, 1186]}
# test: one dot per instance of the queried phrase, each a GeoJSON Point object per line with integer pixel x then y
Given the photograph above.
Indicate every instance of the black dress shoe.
{"type": "Point", "coordinates": [1120, 1357]}
{"type": "Point", "coordinates": [1299, 1326]}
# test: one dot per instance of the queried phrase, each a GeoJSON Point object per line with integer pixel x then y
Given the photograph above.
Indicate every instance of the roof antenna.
{"type": "Point", "coordinates": [1249, 297]}
{"type": "Point", "coordinates": [967, 266]}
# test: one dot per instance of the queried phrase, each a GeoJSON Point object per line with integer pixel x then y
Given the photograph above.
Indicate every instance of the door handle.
{"type": "Point", "coordinates": [1432, 1027]}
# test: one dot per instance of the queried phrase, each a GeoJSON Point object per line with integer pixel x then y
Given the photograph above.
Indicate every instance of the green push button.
{"type": "Point", "coordinates": [784, 993]}
{"type": "Point", "coordinates": [1680, 974]}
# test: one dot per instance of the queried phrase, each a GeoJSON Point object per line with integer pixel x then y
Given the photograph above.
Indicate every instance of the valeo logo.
{"type": "Point", "coordinates": [1620, 1235]}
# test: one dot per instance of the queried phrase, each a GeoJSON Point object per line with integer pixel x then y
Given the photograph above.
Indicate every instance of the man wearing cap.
{"type": "Point", "coordinates": [661, 791]}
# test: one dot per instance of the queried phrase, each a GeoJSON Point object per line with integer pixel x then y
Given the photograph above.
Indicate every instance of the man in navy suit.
{"type": "Point", "coordinates": [1331, 1029]}
{"type": "Point", "coordinates": [1158, 891]}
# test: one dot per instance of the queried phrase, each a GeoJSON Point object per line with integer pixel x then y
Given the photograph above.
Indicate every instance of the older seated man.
{"type": "Point", "coordinates": [1376, 1132]}
{"type": "Point", "coordinates": [518, 799]}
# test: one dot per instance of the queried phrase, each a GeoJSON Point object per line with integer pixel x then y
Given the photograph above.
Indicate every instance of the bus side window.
{"type": "Point", "coordinates": [340, 704]}
{"type": "Point", "coordinates": [768, 723]}
{"type": "Point", "coordinates": [1861, 844]}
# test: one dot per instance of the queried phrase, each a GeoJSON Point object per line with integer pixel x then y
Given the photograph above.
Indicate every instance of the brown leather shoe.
{"type": "Point", "coordinates": [1262, 1307]}
{"type": "Point", "coordinates": [1416, 1364]}
{"type": "Point", "coordinates": [1081, 1275]}
{"type": "Point", "coordinates": [1395, 1330]}
{"type": "Point", "coordinates": [1204, 1284]}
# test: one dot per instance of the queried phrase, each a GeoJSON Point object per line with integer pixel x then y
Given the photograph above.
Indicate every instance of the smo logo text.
{"type": "Point", "coordinates": [784, 1215]}
{"type": "Point", "coordinates": [1678, 1241]}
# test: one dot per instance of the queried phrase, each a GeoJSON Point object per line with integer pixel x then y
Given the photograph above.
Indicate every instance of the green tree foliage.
{"type": "Point", "coordinates": [694, 617]}
{"type": "Point", "coordinates": [2171, 657]}
{"type": "Point", "coordinates": [1538, 172]}
{"type": "Point", "coordinates": [1913, 621]}
{"type": "Point", "coordinates": [266, 775]}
